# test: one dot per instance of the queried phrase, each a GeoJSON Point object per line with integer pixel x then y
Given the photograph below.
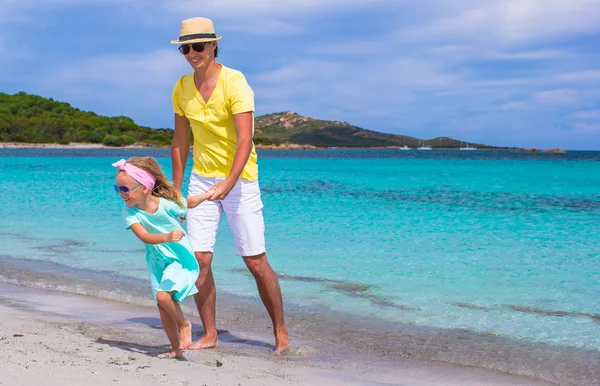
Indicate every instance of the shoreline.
{"type": "Point", "coordinates": [73, 145]}
{"type": "Point", "coordinates": [76, 145]}
{"type": "Point", "coordinates": [321, 337]}
{"type": "Point", "coordinates": [59, 336]}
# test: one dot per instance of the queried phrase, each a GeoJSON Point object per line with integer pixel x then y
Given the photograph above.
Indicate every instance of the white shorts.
{"type": "Point", "coordinates": [243, 208]}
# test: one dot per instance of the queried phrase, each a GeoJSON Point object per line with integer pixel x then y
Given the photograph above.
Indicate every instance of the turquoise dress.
{"type": "Point", "coordinates": [173, 266]}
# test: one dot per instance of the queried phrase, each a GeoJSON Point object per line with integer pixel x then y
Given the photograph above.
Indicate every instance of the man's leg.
{"type": "Point", "coordinates": [270, 293]}
{"type": "Point", "coordinates": [202, 225]}
{"type": "Point", "coordinates": [243, 207]}
{"type": "Point", "coordinates": [206, 299]}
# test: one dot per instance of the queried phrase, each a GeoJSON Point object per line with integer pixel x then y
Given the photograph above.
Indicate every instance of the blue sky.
{"type": "Point", "coordinates": [501, 72]}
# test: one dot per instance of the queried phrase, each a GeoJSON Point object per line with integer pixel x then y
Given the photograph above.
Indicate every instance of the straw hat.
{"type": "Point", "coordinates": [196, 30]}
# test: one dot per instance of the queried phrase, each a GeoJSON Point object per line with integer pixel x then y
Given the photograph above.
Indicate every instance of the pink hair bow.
{"type": "Point", "coordinates": [137, 173]}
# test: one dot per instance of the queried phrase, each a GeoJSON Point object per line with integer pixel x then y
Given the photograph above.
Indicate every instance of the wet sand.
{"type": "Point", "coordinates": [73, 339]}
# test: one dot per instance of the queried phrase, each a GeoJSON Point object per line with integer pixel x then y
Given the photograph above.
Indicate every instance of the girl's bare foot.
{"type": "Point", "coordinates": [204, 343]}
{"type": "Point", "coordinates": [185, 335]}
{"type": "Point", "coordinates": [173, 354]}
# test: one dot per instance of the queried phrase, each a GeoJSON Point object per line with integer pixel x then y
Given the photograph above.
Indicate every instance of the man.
{"type": "Point", "coordinates": [218, 104]}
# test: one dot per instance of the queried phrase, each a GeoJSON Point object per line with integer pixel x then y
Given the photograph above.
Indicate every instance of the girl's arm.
{"type": "Point", "coordinates": [153, 238]}
{"type": "Point", "coordinates": [194, 201]}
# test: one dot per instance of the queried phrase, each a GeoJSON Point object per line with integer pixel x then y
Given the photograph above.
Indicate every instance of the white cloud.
{"type": "Point", "coordinates": [32, 14]}
{"type": "Point", "coordinates": [525, 20]}
{"type": "Point", "coordinates": [267, 28]}
{"type": "Point", "coordinates": [584, 77]}
{"type": "Point", "coordinates": [339, 86]}
{"type": "Point", "coordinates": [516, 105]}
{"type": "Point", "coordinates": [586, 128]}
{"type": "Point", "coordinates": [264, 17]}
{"type": "Point", "coordinates": [510, 21]}
{"type": "Point", "coordinates": [559, 96]}
{"type": "Point", "coordinates": [264, 8]}
{"type": "Point", "coordinates": [128, 83]}
{"type": "Point", "coordinates": [118, 71]}
{"type": "Point", "coordinates": [529, 55]}
{"type": "Point", "coordinates": [587, 115]}
{"type": "Point", "coordinates": [16, 11]}
{"type": "Point", "coordinates": [285, 74]}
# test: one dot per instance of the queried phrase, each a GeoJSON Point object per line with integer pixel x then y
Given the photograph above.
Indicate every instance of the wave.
{"type": "Point", "coordinates": [57, 277]}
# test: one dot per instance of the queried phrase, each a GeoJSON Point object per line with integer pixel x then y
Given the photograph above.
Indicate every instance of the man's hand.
{"type": "Point", "coordinates": [175, 236]}
{"type": "Point", "coordinates": [221, 189]}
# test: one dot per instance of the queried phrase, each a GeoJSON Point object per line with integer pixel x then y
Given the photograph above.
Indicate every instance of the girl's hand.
{"type": "Point", "coordinates": [194, 201]}
{"type": "Point", "coordinates": [175, 236]}
{"type": "Point", "coordinates": [220, 190]}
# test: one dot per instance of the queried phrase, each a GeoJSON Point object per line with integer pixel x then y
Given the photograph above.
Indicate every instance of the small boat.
{"type": "Point", "coordinates": [423, 146]}
{"type": "Point", "coordinates": [467, 147]}
{"type": "Point", "coordinates": [404, 148]}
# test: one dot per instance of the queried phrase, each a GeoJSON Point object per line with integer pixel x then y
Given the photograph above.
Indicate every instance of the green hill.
{"type": "Point", "coordinates": [34, 119]}
{"type": "Point", "coordinates": [289, 127]}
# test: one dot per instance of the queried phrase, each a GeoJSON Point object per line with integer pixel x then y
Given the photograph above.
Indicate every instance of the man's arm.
{"type": "Point", "coordinates": [180, 149]}
{"type": "Point", "coordinates": [243, 131]}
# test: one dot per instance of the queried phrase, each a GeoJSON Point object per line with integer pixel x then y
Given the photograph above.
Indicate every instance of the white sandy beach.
{"type": "Point", "coordinates": [45, 350]}
{"type": "Point", "coordinates": [66, 339]}
{"type": "Point", "coordinates": [39, 342]}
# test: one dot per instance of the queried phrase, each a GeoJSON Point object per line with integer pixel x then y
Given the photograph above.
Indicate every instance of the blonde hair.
{"type": "Point", "coordinates": [162, 188]}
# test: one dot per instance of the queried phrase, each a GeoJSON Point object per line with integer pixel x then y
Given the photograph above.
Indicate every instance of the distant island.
{"type": "Point", "coordinates": [290, 128]}
{"type": "Point", "coordinates": [32, 119]}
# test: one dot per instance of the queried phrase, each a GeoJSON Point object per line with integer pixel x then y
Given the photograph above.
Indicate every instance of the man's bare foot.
{"type": "Point", "coordinates": [173, 354]}
{"type": "Point", "coordinates": [282, 341]}
{"type": "Point", "coordinates": [185, 335]}
{"type": "Point", "coordinates": [204, 343]}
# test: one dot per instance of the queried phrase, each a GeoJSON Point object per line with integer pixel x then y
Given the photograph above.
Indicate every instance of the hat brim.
{"type": "Point", "coordinates": [191, 41]}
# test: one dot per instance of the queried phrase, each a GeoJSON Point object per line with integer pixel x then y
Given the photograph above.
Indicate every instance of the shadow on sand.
{"type": "Point", "coordinates": [197, 331]}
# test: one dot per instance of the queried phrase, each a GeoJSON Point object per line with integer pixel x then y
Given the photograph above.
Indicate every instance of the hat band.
{"type": "Point", "coordinates": [197, 36]}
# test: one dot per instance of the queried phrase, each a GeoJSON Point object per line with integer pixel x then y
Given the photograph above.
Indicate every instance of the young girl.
{"type": "Point", "coordinates": [152, 209]}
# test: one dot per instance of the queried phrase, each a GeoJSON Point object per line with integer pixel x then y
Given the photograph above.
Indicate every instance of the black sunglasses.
{"type": "Point", "coordinates": [185, 48]}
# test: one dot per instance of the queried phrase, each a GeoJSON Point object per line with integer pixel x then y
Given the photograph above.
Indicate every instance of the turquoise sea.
{"type": "Point", "coordinates": [493, 242]}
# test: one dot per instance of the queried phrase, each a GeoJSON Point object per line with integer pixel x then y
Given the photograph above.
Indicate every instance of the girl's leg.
{"type": "Point", "coordinates": [170, 327]}
{"type": "Point", "coordinates": [177, 321]}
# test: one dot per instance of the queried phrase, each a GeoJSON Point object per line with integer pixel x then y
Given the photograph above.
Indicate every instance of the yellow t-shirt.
{"type": "Point", "coordinates": [215, 140]}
